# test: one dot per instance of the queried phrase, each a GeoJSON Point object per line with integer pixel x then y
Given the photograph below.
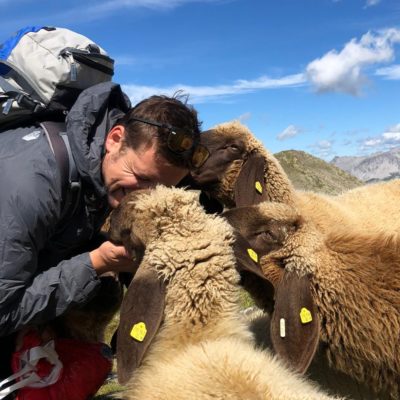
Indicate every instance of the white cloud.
{"type": "Point", "coordinates": [125, 60]}
{"type": "Point", "coordinates": [324, 145]}
{"type": "Point", "coordinates": [201, 94]}
{"type": "Point", "coordinates": [101, 8]}
{"type": "Point", "coordinates": [372, 142]}
{"type": "Point", "coordinates": [371, 3]}
{"type": "Point", "coordinates": [343, 71]}
{"type": "Point", "coordinates": [323, 149]}
{"type": "Point", "coordinates": [392, 72]}
{"type": "Point", "coordinates": [391, 136]}
{"type": "Point", "coordinates": [392, 132]}
{"type": "Point", "coordinates": [289, 132]}
{"type": "Point", "coordinates": [388, 139]}
{"type": "Point", "coordinates": [244, 117]}
{"type": "Point", "coordinates": [94, 10]}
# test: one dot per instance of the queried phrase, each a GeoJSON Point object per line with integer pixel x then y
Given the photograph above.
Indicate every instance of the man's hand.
{"type": "Point", "coordinates": [109, 257]}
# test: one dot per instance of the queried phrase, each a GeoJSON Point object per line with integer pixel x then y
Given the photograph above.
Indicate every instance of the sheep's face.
{"type": "Point", "coordinates": [266, 226]}
{"type": "Point", "coordinates": [284, 242]}
{"type": "Point", "coordinates": [127, 226]}
{"type": "Point", "coordinates": [229, 145]}
{"type": "Point", "coordinates": [282, 238]}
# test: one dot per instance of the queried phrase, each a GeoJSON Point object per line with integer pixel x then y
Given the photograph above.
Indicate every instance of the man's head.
{"type": "Point", "coordinates": [153, 143]}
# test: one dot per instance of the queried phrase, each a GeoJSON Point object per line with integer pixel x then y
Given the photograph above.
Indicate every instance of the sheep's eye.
{"type": "Point", "coordinates": [234, 147]}
{"type": "Point", "coordinates": [267, 236]}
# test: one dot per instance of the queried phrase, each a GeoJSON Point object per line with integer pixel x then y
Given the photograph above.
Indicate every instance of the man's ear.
{"type": "Point", "coordinates": [114, 138]}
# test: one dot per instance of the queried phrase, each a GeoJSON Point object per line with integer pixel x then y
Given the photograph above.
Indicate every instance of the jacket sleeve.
{"type": "Point", "coordinates": [29, 208]}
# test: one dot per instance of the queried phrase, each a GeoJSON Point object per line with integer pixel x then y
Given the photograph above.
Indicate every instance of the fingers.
{"type": "Point", "coordinates": [109, 257]}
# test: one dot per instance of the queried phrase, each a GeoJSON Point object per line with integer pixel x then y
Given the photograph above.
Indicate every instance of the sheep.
{"type": "Point", "coordinates": [181, 333]}
{"type": "Point", "coordinates": [326, 377]}
{"type": "Point", "coordinates": [346, 277]}
{"type": "Point", "coordinates": [335, 235]}
{"type": "Point", "coordinates": [237, 161]}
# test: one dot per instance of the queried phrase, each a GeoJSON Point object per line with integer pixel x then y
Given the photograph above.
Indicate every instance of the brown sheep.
{"type": "Point", "coordinates": [181, 334]}
{"type": "Point", "coordinates": [317, 238]}
{"type": "Point", "coordinates": [347, 278]}
{"type": "Point", "coordinates": [237, 161]}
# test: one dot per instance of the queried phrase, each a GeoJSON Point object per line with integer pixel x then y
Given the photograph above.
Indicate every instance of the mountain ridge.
{"type": "Point", "coordinates": [311, 173]}
{"type": "Point", "coordinates": [380, 166]}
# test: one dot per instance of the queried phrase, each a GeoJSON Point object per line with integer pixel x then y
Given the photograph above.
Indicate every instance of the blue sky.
{"type": "Point", "coordinates": [321, 76]}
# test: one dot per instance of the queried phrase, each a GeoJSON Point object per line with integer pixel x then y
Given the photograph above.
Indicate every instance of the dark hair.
{"type": "Point", "coordinates": [164, 110]}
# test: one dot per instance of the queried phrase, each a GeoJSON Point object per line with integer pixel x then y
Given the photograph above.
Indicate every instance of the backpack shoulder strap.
{"type": "Point", "coordinates": [71, 184]}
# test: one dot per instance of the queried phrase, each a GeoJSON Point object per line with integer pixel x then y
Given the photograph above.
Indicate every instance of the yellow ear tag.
{"type": "Point", "coordinates": [258, 187]}
{"type": "Point", "coordinates": [305, 316]}
{"type": "Point", "coordinates": [253, 255]}
{"type": "Point", "coordinates": [139, 331]}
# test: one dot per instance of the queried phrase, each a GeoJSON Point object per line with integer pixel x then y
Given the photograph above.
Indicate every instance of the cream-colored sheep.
{"type": "Point", "coordinates": [185, 293]}
{"type": "Point", "coordinates": [343, 250]}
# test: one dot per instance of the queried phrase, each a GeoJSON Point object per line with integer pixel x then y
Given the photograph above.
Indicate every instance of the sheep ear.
{"type": "Point", "coordinates": [295, 322]}
{"type": "Point", "coordinates": [252, 278]}
{"type": "Point", "coordinates": [250, 185]}
{"type": "Point", "coordinates": [247, 260]}
{"type": "Point", "coordinates": [140, 318]}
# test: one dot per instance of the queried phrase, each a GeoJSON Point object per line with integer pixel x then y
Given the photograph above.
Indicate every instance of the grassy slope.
{"type": "Point", "coordinates": [311, 173]}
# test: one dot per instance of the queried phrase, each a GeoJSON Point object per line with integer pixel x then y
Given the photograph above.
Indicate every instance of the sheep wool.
{"type": "Point", "coordinates": [351, 259]}
{"type": "Point", "coordinates": [346, 247]}
{"type": "Point", "coordinates": [203, 348]}
{"type": "Point", "coordinates": [231, 146]}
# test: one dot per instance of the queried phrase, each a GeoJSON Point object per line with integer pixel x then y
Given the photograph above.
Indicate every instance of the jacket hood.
{"type": "Point", "coordinates": [91, 117]}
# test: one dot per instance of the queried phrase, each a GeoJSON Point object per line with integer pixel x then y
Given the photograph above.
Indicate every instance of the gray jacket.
{"type": "Point", "coordinates": [44, 266]}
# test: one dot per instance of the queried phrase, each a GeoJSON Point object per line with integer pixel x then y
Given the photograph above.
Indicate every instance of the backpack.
{"type": "Point", "coordinates": [42, 72]}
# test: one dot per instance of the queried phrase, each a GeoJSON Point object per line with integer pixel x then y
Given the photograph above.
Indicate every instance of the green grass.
{"type": "Point", "coordinates": [108, 390]}
{"type": "Point", "coordinates": [307, 172]}
{"type": "Point", "coordinates": [111, 387]}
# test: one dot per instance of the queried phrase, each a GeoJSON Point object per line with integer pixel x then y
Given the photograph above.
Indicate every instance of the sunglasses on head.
{"type": "Point", "coordinates": [179, 141]}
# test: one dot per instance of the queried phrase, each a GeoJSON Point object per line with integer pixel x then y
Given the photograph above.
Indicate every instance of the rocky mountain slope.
{"type": "Point", "coordinates": [376, 167]}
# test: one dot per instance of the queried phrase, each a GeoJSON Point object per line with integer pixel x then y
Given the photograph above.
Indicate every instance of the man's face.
{"type": "Point", "coordinates": [129, 169]}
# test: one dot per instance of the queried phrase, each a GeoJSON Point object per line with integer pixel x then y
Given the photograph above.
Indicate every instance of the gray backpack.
{"type": "Point", "coordinates": [43, 70]}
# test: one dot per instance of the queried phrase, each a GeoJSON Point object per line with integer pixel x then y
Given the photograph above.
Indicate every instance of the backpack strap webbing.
{"type": "Point", "coordinates": [14, 94]}
{"type": "Point", "coordinates": [71, 185]}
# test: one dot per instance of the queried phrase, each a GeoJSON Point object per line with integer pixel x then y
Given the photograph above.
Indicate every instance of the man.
{"type": "Point", "coordinates": [43, 268]}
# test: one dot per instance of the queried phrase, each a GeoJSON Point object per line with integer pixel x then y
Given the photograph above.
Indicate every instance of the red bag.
{"type": "Point", "coordinates": [78, 373]}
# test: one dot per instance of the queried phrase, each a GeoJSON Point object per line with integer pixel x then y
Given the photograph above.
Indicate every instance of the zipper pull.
{"type": "Point", "coordinates": [7, 106]}
{"type": "Point", "coordinates": [73, 71]}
